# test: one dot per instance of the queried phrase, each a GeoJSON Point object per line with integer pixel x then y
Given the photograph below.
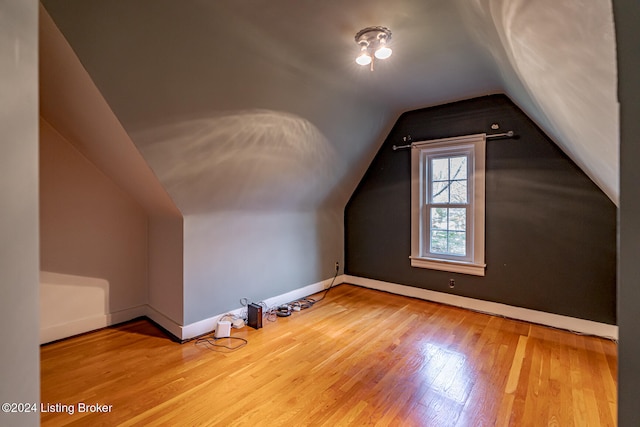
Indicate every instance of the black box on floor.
{"type": "Point", "coordinates": [254, 312]}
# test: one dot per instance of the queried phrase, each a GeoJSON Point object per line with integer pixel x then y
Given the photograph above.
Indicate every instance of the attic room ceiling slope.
{"type": "Point", "coordinates": [558, 63]}
{"type": "Point", "coordinates": [183, 77]}
{"type": "Point", "coordinates": [72, 104]}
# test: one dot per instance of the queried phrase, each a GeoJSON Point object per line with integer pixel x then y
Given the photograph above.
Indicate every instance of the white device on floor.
{"type": "Point", "coordinates": [223, 329]}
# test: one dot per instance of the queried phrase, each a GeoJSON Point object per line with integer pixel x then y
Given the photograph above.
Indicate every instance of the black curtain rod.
{"type": "Point", "coordinates": [508, 134]}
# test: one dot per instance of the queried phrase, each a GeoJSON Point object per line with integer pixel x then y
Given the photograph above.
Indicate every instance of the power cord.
{"type": "Point", "coordinates": [309, 302]}
{"type": "Point", "coordinates": [210, 341]}
{"type": "Point", "coordinates": [271, 313]}
{"type": "Point", "coordinates": [237, 321]}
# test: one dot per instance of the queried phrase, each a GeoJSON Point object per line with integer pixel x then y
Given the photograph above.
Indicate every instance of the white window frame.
{"type": "Point", "coordinates": [474, 146]}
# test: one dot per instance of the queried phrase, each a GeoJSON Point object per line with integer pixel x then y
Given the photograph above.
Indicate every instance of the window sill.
{"type": "Point", "coordinates": [447, 265]}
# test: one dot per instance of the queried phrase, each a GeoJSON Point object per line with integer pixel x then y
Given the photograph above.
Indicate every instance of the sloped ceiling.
{"type": "Point", "coordinates": [259, 104]}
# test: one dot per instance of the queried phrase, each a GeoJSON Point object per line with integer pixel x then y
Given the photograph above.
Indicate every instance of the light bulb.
{"type": "Point", "coordinates": [363, 59]}
{"type": "Point", "coordinates": [383, 53]}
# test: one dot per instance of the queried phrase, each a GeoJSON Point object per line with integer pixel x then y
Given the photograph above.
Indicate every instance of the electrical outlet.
{"type": "Point", "coordinates": [337, 266]}
{"type": "Point", "coordinates": [452, 283]}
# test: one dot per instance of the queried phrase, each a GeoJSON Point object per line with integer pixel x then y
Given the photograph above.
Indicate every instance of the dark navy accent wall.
{"type": "Point", "coordinates": [550, 231]}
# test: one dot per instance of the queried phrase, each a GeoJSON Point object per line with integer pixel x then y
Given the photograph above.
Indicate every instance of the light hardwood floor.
{"type": "Point", "coordinates": [359, 357]}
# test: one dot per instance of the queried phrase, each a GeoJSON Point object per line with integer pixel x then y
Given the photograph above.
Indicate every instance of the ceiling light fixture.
{"type": "Point", "coordinates": [373, 45]}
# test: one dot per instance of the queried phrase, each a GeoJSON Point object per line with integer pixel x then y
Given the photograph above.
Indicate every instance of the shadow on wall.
{"type": "Point", "coordinates": [558, 62]}
{"type": "Point", "coordinates": [257, 159]}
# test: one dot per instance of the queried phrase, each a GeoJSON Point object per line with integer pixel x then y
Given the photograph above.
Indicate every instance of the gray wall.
{"type": "Point", "coordinates": [75, 108]}
{"type": "Point", "coordinates": [19, 355]}
{"type": "Point", "coordinates": [261, 186]}
{"type": "Point", "coordinates": [261, 218]}
{"type": "Point", "coordinates": [90, 229]}
{"type": "Point", "coordinates": [550, 231]}
{"type": "Point", "coordinates": [627, 16]}
{"type": "Point", "coordinates": [166, 266]}
{"type": "Point", "coordinates": [257, 255]}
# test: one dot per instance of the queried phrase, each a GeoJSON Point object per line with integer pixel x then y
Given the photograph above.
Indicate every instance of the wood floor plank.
{"type": "Point", "coordinates": [359, 357]}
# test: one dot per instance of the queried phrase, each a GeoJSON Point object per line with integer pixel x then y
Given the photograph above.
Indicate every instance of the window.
{"type": "Point", "coordinates": [447, 204]}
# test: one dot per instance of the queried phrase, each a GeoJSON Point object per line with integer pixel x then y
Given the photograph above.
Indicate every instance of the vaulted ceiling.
{"type": "Point", "coordinates": [259, 104]}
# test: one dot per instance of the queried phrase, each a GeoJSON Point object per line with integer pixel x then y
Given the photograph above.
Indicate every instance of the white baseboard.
{"type": "Point", "coordinates": [80, 326]}
{"type": "Point", "coordinates": [549, 319]}
{"type": "Point", "coordinates": [302, 292]}
{"type": "Point", "coordinates": [205, 326]}
{"type": "Point", "coordinates": [87, 324]}
{"type": "Point", "coordinates": [165, 322]}
{"type": "Point", "coordinates": [186, 332]}
{"type": "Point", "coordinates": [208, 325]}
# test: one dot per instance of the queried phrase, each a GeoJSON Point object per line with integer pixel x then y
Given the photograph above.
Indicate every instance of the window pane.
{"type": "Point", "coordinates": [440, 169]}
{"type": "Point", "coordinates": [439, 218]}
{"type": "Point", "coordinates": [440, 192]}
{"type": "Point", "coordinates": [448, 231]}
{"type": "Point", "coordinates": [457, 219]}
{"type": "Point", "coordinates": [439, 242]}
{"type": "Point", "coordinates": [457, 243]}
{"type": "Point", "coordinates": [458, 191]}
{"type": "Point", "coordinates": [458, 167]}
